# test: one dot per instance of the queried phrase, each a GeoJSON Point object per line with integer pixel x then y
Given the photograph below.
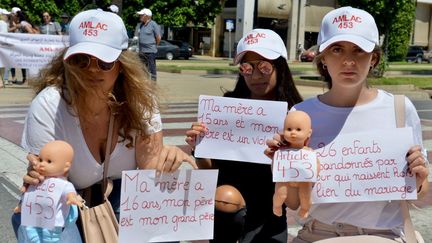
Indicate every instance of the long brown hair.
{"type": "Point", "coordinates": [134, 98]}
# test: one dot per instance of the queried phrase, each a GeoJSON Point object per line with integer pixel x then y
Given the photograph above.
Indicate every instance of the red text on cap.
{"type": "Point", "coordinates": [253, 38]}
{"type": "Point", "coordinates": [346, 21]}
{"type": "Point", "coordinates": [89, 25]}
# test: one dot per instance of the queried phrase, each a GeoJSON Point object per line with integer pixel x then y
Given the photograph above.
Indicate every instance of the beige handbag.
{"type": "Point", "coordinates": [99, 224]}
{"type": "Point", "coordinates": [411, 236]}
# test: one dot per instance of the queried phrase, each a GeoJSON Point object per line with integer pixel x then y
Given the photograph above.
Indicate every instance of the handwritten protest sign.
{"type": "Point", "coordinates": [39, 204]}
{"type": "Point", "coordinates": [29, 50]}
{"type": "Point", "coordinates": [367, 166]}
{"type": "Point", "coordinates": [294, 165]}
{"type": "Point", "coordinates": [172, 207]}
{"type": "Point", "coordinates": [238, 128]}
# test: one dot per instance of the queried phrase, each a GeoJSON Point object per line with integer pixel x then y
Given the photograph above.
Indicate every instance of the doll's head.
{"type": "Point", "coordinates": [297, 129]}
{"type": "Point", "coordinates": [55, 159]}
{"type": "Point", "coordinates": [228, 199]}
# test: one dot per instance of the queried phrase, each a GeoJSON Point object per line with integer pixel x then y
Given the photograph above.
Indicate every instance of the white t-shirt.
{"type": "Point", "coordinates": [328, 121]}
{"type": "Point", "coordinates": [50, 118]}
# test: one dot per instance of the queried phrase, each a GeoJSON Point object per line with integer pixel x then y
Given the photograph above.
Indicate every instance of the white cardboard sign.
{"type": "Point", "coordinates": [30, 50]}
{"type": "Point", "coordinates": [294, 165]}
{"type": "Point", "coordinates": [172, 207]}
{"type": "Point", "coordinates": [39, 204]}
{"type": "Point", "coordinates": [365, 166]}
{"type": "Point", "coordinates": [238, 128]}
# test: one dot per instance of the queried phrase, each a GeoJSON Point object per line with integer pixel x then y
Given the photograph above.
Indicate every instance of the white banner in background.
{"type": "Point", "coordinates": [30, 50]}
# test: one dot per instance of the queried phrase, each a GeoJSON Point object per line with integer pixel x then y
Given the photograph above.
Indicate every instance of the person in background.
{"type": "Point", "coordinates": [148, 33]}
{"type": "Point", "coordinates": [20, 24]}
{"type": "Point", "coordinates": [113, 8]}
{"type": "Point", "coordinates": [48, 27]}
{"type": "Point", "coordinates": [4, 26]}
{"type": "Point", "coordinates": [263, 75]}
{"type": "Point", "coordinates": [348, 52]}
{"type": "Point", "coordinates": [91, 81]}
{"type": "Point", "coordinates": [64, 24]}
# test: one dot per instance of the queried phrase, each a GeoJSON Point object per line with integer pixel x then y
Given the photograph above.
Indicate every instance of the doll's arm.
{"type": "Point", "coordinates": [73, 199]}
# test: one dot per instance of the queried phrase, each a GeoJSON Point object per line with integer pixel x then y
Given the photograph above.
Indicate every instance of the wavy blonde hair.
{"type": "Point", "coordinates": [134, 98]}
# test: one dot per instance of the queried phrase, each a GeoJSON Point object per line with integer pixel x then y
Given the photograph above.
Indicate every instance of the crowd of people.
{"type": "Point", "coordinates": [97, 80]}
{"type": "Point", "coordinates": [16, 21]}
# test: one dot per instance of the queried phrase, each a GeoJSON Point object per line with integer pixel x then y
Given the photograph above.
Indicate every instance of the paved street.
{"type": "Point", "coordinates": [180, 93]}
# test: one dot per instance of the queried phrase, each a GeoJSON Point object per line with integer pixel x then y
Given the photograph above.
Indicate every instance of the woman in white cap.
{"type": "Point", "coordinates": [348, 53]}
{"type": "Point", "coordinates": [263, 75]}
{"type": "Point", "coordinates": [92, 82]}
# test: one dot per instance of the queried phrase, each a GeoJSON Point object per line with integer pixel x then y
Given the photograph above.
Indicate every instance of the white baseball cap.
{"type": "Point", "coordinates": [264, 42]}
{"type": "Point", "coordinates": [14, 10]}
{"type": "Point", "coordinates": [113, 8]}
{"type": "Point", "coordinates": [145, 11]}
{"type": "Point", "coordinates": [4, 11]}
{"type": "Point", "coordinates": [97, 33]}
{"type": "Point", "coordinates": [348, 24]}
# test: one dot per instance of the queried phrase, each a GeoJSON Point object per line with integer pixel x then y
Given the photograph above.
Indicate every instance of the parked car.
{"type": "Point", "coordinates": [428, 56]}
{"type": "Point", "coordinates": [309, 54]}
{"type": "Point", "coordinates": [164, 49]}
{"type": "Point", "coordinates": [416, 54]}
{"type": "Point", "coordinates": [186, 50]}
{"type": "Point", "coordinates": [167, 50]}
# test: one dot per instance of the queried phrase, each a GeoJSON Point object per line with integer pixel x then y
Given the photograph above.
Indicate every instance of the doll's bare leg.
{"type": "Point", "coordinates": [281, 193]}
{"type": "Point", "coordinates": [305, 191]}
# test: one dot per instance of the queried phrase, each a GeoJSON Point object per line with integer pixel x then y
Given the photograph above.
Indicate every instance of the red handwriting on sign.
{"type": "Point", "coordinates": [41, 205]}
{"type": "Point", "coordinates": [46, 187]}
{"type": "Point", "coordinates": [357, 149]}
{"type": "Point", "coordinates": [293, 169]}
{"type": "Point", "coordinates": [347, 165]}
{"type": "Point", "coordinates": [208, 119]}
{"type": "Point", "coordinates": [325, 151]}
{"type": "Point", "coordinates": [135, 204]}
{"type": "Point", "coordinates": [324, 192]}
{"type": "Point", "coordinates": [140, 186]}
{"type": "Point", "coordinates": [127, 221]}
{"type": "Point", "coordinates": [264, 128]}
{"type": "Point", "coordinates": [376, 190]}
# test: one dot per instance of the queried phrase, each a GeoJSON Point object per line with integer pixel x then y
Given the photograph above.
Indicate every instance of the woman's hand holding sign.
{"type": "Point", "coordinates": [418, 165]}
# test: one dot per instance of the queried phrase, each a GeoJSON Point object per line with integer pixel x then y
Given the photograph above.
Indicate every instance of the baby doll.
{"type": "Point", "coordinates": [55, 160]}
{"type": "Point", "coordinates": [228, 199]}
{"type": "Point", "coordinates": [297, 131]}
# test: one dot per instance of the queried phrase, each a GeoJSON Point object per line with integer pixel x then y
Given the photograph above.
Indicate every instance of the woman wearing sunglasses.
{"type": "Point", "coordinates": [263, 75]}
{"type": "Point", "coordinates": [92, 79]}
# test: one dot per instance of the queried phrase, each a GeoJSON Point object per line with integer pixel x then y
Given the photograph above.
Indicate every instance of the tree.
{"type": "Point", "coordinates": [174, 13]}
{"type": "Point", "coordinates": [394, 19]}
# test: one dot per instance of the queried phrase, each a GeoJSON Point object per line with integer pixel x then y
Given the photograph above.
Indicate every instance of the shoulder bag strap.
{"type": "Point", "coordinates": [400, 122]}
{"type": "Point", "coordinates": [107, 184]}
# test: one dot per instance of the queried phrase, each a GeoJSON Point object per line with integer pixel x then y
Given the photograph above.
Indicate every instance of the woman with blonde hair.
{"type": "Point", "coordinates": [96, 80]}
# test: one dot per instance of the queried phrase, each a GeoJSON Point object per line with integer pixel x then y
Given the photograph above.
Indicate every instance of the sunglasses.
{"type": "Point", "coordinates": [83, 61]}
{"type": "Point", "coordinates": [247, 68]}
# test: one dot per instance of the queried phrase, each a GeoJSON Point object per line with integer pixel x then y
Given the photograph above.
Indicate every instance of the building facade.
{"type": "Point", "coordinates": [296, 21]}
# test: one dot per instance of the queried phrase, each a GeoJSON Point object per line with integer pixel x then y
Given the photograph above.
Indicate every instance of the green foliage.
{"type": "Point", "coordinates": [173, 13]}
{"type": "Point", "coordinates": [394, 19]}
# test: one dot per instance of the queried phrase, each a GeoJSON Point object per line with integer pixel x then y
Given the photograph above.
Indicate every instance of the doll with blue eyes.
{"type": "Point", "coordinates": [297, 132]}
{"type": "Point", "coordinates": [55, 160]}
